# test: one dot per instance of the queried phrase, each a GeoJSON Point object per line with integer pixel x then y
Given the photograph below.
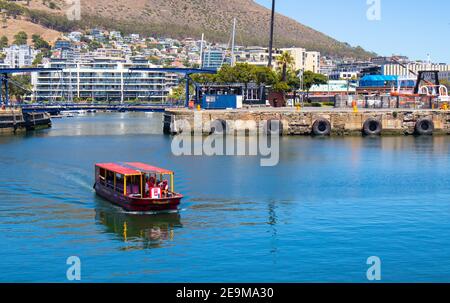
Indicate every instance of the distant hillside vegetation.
{"type": "Point", "coordinates": [185, 18]}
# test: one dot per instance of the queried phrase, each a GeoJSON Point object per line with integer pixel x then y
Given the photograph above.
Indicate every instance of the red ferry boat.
{"type": "Point", "coordinates": [137, 187]}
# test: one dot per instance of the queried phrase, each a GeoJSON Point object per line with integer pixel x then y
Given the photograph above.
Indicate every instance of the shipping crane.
{"type": "Point", "coordinates": [432, 86]}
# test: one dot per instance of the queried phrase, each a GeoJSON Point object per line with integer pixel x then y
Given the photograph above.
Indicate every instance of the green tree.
{"type": "Point", "coordinates": [265, 75]}
{"type": "Point", "coordinates": [244, 73]}
{"type": "Point", "coordinates": [21, 38]}
{"type": "Point", "coordinates": [310, 78]}
{"type": "Point", "coordinates": [19, 86]}
{"type": "Point", "coordinates": [293, 79]}
{"type": "Point", "coordinates": [286, 61]}
{"type": "Point", "coordinates": [204, 78]}
{"type": "Point", "coordinates": [38, 59]}
{"type": "Point", "coordinates": [40, 43]}
{"type": "Point", "coordinates": [241, 73]}
{"type": "Point", "coordinates": [94, 45]}
{"type": "Point", "coordinates": [281, 87]}
{"type": "Point", "coordinates": [179, 92]}
{"type": "Point", "coordinates": [3, 42]}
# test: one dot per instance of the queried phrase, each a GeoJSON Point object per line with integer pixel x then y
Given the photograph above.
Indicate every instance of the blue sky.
{"type": "Point", "coordinates": [409, 27]}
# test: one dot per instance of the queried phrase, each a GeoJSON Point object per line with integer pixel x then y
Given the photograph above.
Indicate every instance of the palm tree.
{"type": "Point", "coordinates": [285, 60]}
{"type": "Point", "coordinates": [272, 25]}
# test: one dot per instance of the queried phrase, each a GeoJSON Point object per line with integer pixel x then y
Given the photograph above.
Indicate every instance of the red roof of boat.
{"type": "Point", "coordinates": [148, 168]}
{"type": "Point", "coordinates": [132, 168]}
{"type": "Point", "coordinates": [117, 168]}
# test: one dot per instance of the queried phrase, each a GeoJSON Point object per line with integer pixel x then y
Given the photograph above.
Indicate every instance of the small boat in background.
{"type": "Point", "coordinates": [137, 187]}
{"type": "Point", "coordinates": [34, 121]}
{"type": "Point", "coordinates": [73, 113]}
{"type": "Point", "coordinates": [67, 114]}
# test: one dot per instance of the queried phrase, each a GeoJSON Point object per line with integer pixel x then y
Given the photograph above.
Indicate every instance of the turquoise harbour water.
{"type": "Point", "coordinates": [316, 217]}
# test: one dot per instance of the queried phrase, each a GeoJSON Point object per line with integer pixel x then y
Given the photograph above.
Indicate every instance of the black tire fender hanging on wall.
{"type": "Point", "coordinates": [424, 127]}
{"type": "Point", "coordinates": [321, 127]}
{"type": "Point", "coordinates": [219, 127]}
{"type": "Point", "coordinates": [372, 127]}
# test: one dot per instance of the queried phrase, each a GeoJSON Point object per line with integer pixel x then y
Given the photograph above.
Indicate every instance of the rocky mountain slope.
{"type": "Point", "coordinates": [190, 18]}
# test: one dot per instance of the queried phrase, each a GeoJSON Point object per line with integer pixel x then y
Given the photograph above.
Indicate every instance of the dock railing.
{"type": "Point", "coordinates": [389, 102]}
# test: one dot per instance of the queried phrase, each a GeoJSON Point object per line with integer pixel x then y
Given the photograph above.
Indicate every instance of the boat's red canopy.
{"type": "Point", "coordinates": [117, 168]}
{"type": "Point", "coordinates": [133, 168]}
{"type": "Point", "coordinates": [148, 168]}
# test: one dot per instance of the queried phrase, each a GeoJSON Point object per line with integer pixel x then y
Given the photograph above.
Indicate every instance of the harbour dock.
{"type": "Point", "coordinates": [14, 120]}
{"type": "Point", "coordinates": [312, 121]}
{"type": "Point", "coordinates": [11, 121]}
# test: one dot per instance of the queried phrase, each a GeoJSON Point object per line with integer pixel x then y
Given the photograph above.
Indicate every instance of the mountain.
{"type": "Point", "coordinates": [191, 18]}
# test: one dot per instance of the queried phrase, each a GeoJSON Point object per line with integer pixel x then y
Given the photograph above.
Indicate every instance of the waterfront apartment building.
{"type": "Point", "coordinates": [398, 70]}
{"type": "Point", "coordinates": [18, 56]}
{"type": "Point", "coordinates": [102, 79]}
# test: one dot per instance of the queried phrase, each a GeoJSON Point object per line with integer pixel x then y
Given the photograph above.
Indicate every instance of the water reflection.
{"type": "Point", "coordinates": [138, 231]}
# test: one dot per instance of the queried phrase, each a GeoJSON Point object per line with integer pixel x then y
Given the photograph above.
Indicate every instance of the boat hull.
{"type": "Point", "coordinates": [133, 204]}
{"type": "Point", "coordinates": [35, 121]}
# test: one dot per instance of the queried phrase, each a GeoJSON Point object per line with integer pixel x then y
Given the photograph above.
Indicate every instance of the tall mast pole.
{"type": "Point", "coordinates": [233, 43]}
{"type": "Point", "coordinates": [201, 51]}
{"type": "Point", "coordinates": [272, 23]}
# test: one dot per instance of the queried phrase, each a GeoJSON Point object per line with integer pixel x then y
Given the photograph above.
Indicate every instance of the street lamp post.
{"type": "Point", "coordinates": [300, 76]}
{"type": "Point", "coordinates": [272, 24]}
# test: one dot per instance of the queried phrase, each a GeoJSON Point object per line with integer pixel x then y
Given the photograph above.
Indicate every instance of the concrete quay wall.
{"type": "Point", "coordinates": [292, 122]}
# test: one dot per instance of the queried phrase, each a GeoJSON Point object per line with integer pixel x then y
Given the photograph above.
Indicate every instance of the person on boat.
{"type": "Point", "coordinates": [149, 185]}
{"type": "Point", "coordinates": [164, 185]}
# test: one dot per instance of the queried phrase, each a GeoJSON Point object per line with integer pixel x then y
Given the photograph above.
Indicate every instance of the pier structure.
{"type": "Point", "coordinates": [11, 121]}
{"type": "Point", "coordinates": [311, 122]}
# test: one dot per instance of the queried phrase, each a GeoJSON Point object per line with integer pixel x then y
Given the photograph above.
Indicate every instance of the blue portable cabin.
{"type": "Point", "coordinates": [222, 101]}
{"type": "Point", "coordinates": [252, 93]}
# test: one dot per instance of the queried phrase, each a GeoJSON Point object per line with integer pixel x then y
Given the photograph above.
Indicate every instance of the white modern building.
{"type": "Point", "coordinates": [102, 79]}
{"type": "Point", "coordinates": [399, 70]}
{"type": "Point", "coordinates": [18, 56]}
{"type": "Point", "coordinates": [336, 75]}
{"type": "Point", "coordinates": [326, 66]}
{"type": "Point", "coordinates": [115, 35]}
{"type": "Point", "coordinates": [75, 36]}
